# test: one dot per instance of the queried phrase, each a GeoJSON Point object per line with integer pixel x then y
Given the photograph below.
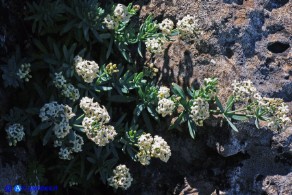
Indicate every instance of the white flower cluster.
{"type": "Point", "coordinates": [280, 120]}
{"type": "Point", "coordinates": [60, 115]}
{"type": "Point", "coordinates": [94, 111]}
{"type": "Point", "coordinates": [68, 90]}
{"type": "Point", "coordinates": [73, 183]}
{"type": "Point", "coordinates": [77, 143]}
{"type": "Point", "coordinates": [120, 14]}
{"type": "Point", "coordinates": [23, 72]}
{"type": "Point", "coordinates": [200, 111]}
{"type": "Point", "coordinates": [94, 122]}
{"type": "Point", "coordinates": [86, 69]}
{"type": "Point", "coordinates": [187, 26]}
{"type": "Point", "coordinates": [149, 147]}
{"type": "Point", "coordinates": [163, 92]}
{"type": "Point", "coordinates": [277, 112]}
{"type": "Point", "coordinates": [121, 178]}
{"type": "Point", "coordinates": [243, 91]}
{"type": "Point", "coordinates": [210, 87]}
{"type": "Point", "coordinates": [155, 45]}
{"type": "Point", "coordinates": [15, 133]}
{"type": "Point", "coordinates": [160, 149]}
{"type": "Point", "coordinates": [144, 143]}
{"type": "Point", "coordinates": [166, 26]}
{"type": "Point", "coordinates": [165, 106]}
{"type": "Point", "coordinates": [65, 152]}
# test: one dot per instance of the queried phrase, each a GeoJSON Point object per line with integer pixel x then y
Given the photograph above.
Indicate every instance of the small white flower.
{"type": "Point", "coordinates": [160, 149]}
{"type": "Point", "coordinates": [200, 111]}
{"type": "Point", "coordinates": [59, 80]}
{"type": "Point", "coordinates": [15, 133]}
{"type": "Point", "coordinates": [121, 13]}
{"type": "Point", "coordinates": [243, 91]}
{"type": "Point", "coordinates": [121, 178]}
{"type": "Point", "coordinates": [163, 92]}
{"type": "Point", "coordinates": [24, 72]}
{"type": "Point", "coordinates": [187, 26]}
{"type": "Point", "coordinates": [68, 90]}
{"type": "Point", "coordinates": [77, 143]}
{"type": "Point", "coordinates": [65, 154]}
{"type": "Point", "coordinates": [86, 69]}
{"type": "Point", "coordinates": [94, 110]}
{"type": "Point", "coordinates": [149, 147]}
{"type": "Point", "coordinates": [144, 143]}
{"type": "Point", "coordinates": [110, 22]}
{"type": "Point", "coordinates": [144, 157]}
{"type": "Point", "coordinates": [60, 115]}
{"type": "Point", "coordinates": [166, 26]}
{"type": "Point", "coordinates": [58, 143]}
{"type": "Point", "coordinates": [165, 107]}
{"type": "Point", "coordinates": [101, 135]}
{"type": "Point", "coordinates": [155, 45]}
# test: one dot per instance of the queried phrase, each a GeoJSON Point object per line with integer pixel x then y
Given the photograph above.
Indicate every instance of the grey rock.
{"type": "Point", "coordinates": [278, 184]}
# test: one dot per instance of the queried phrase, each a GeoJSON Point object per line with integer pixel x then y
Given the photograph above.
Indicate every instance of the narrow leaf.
{"type": "Point", "coordinates": [219, 104]}
{"type": "Point", "coordinates": [231, 124]}
{"type": "Point", "coordinates": [178, 90]}
{"type": "Point", "coordinates": [192, 128]}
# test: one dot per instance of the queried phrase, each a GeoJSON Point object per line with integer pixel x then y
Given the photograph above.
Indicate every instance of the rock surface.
{"type": "Point", "coordinates": [240, 40]}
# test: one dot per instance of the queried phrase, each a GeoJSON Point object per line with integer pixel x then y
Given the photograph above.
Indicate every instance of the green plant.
{"type": "Point", "coordinates": [91, 106]}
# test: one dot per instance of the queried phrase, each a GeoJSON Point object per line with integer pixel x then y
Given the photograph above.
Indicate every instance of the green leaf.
{"type": "Point", "coordinates": [192, 128]}
{"type": "Point", "coordinates": [177, 121]}
{"type": "Point", "coordinates": [41, 127]}
{"type": "Point", "coordinates": [66, 53]}
{"type": "Point", "coordinates": [257, 123]}
{"type": "Point", "coordinates": [139, 108]}
{"type": "Point", "coordinates": [121, 119]}
{"type": "Point", "coordinates": [57, 51]}
{"type": "Point", "coordinates": [229, 103]}
{"type": "Point", "coordinates": [152, 112]}
{"type": "Point", "coordinates": [147, 120]}
{"type": "Point", "coordinates": [231, 124]}
{"type": "Point", "coordinates": [189, 92]}
{"type": "Point", "coordinates": [139, 49]}
{"type": "Point", "coordinates": [103, 88]}
{"type": "Point", "coordinates": [47, 136]}
{"type": "Point", "coordinates": [68, 26]}
{"type": "Point", "coordinates": [90, 174]}
{"type": "Point", "coordinates": [121, 99]}
{"type": "Point", "coordinates": [178, 90]}
{"type": "Point", "coordinates": [109, 50]}
{"type": "Point", "coordinates": [92, 160]}
{"type": "Point", "coordinates": [239, 117]}
{"type": "Point", "coordinates": [40, 46]}
{"type": "Point", "coordinates": [104, 36]}
{"type": "Point", "coordinates": [219, 104]}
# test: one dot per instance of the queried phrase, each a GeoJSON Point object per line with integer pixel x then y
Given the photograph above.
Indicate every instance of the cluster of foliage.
{"type": "Point", "coordinates": [83, 92]}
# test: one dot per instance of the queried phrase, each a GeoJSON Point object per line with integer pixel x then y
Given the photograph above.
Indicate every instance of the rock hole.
{"type": "Point", "coordinates": [228, 53]}
{"type": "Point", "coordinates": [274, 4]}
{"type": "Point", "coordinates": [238, 2]}
{"type": "Point", "coordinates": [278, 47]}
{"type": "Point", "coordinates": [259, 178]}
